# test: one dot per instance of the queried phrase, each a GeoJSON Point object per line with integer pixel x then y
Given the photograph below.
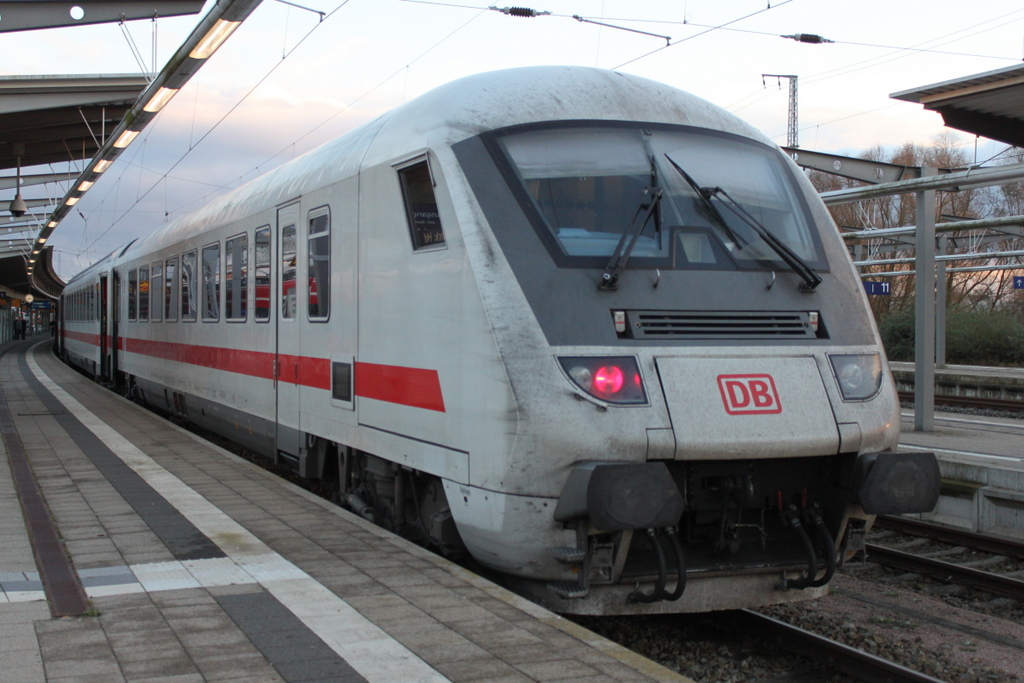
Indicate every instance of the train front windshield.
{"type": "Point", "coordinates": [583, 186]}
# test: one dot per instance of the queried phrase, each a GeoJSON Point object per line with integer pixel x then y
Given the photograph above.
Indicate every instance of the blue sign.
{"type": "Point", "coordinates": [1018, 281]}
{"type": "Point", "coordinates": [36, 305]}
{"type": "Point", "coordinates": [876, 288]}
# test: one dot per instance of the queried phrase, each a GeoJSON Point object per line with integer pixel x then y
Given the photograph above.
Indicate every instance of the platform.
{"type": "Point", "coordinates": [982, 464]}
{"type": "Point", "coordinates": [177, 561]}
{"type": "Point", "coordinates": [967, 381]}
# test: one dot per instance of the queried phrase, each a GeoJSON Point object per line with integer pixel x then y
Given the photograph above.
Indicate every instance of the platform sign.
{"type": "Point", "coordinates": [36, 305]}
{"type": "Point", "coordinates": [1018, 281]}
{"type": "Point", "coordinates": [876, 288]}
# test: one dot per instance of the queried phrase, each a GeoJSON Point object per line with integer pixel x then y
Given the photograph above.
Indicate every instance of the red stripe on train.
{"type": "Point", "coordinates": [414, 387]}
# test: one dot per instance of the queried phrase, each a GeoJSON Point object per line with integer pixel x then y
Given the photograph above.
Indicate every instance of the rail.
{"type": "Point", "coordinates": [849, 660]}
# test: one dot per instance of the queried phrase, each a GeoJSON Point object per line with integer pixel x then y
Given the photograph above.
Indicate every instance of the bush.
{"type": "Point", "coordinates": [972, 337]}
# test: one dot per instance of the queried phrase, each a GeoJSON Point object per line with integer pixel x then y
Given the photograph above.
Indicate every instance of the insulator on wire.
{"type": "Point", "coordinates": [808, 38]}
{"type": "Point", "coordinates": [519, 11]}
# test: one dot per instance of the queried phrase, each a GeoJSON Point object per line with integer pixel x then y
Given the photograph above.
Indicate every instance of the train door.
{"type": "Point", "coordinates": [288, 351]}
{"type": "Point", "coordinates": [115, 318]}
{"type": "Point", "coordinates": [104, 339]}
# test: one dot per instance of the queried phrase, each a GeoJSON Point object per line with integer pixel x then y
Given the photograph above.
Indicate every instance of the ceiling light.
{"type": "Point", "coordinates": [125, 138]}
{"type": "Point", "coordinates": [85, 185]}
{"type": "Point", "coordinates": [162, 97]}
{"type": "Point", "coordinates": [71, 201]}
{"type": "Point", "coordinates": [102, 165]}
{"type": "Point", "coordinates": [52, 224]}
{"type": "Point", "coordinates": [213, 39]}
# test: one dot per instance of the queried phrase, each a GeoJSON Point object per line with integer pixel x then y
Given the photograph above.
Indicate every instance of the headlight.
{"type": "Point", "coordinates": [615, 380]}
{"type": "Point", "coordinates": [859, 374]}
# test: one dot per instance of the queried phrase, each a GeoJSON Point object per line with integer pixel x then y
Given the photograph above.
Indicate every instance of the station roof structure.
{"type": "Point", "coordinates": [990, 104]}
{"type": "Point", "coordinates": [81, 122]}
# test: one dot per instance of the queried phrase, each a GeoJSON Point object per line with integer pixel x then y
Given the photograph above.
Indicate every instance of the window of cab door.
{"type": "Point", "coordinates": [424, 220]}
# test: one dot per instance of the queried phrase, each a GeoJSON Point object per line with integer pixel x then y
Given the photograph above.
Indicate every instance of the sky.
{"type": "Point", "coordinates": [286, 81]}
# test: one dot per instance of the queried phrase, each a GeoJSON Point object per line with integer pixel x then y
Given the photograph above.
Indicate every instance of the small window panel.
{"type": "Point", "coordinates": [170, 290]}
{"type": "Point", "coordinates": [156, 283]}
{"type": "Point", "coordinates": [144, 294]}
{"type": "Point", "coordinates": [288, 272]}
{"type": "Point", "coordinates": [188, 286]}
{"type": "Point", "coordinates": [133, 295]}
{"type": "Point", "coordinates": [236, 280]}
{"type": "Point", "coordinates": [421, 206]}
{"type": "Point", "coordinates": [319, 265]}
{"type": "Point", "coordinates": [341, 382]}
{"type": "Point", "coordinates": [211, 283]}
{"type": "Point", "coordinates": [262, 268]}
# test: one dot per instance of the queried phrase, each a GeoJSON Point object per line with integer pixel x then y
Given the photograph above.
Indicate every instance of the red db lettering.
{"type": "Point", "coordinates": [749, 394]}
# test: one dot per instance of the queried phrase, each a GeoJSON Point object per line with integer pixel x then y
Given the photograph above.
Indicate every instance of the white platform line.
{"type": "Point", "coordinates": [367, 649]}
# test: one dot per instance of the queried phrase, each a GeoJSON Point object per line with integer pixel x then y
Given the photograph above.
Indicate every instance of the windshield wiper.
{"type": "Point", "coordinates": [630, 236]}
{"type": "Point", "coordinates": [705, 201]}
{"type": "Point", "coordinates": [792, 259]}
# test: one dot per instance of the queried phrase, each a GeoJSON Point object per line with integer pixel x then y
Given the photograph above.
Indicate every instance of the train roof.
{"type": "Point", "coordinates": [451, 113]}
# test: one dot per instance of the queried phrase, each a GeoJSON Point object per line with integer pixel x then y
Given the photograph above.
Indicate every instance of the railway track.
{"type": "Point", "coordinates": [970, 402]}
{"type": "Point", "coordinates": [849, 660]}
{"type": "Point", "coordinates": [928, 563]}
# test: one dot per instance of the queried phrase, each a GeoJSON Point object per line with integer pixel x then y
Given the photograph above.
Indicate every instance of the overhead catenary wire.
{"type": "Point", "coordinates": [194, 144]}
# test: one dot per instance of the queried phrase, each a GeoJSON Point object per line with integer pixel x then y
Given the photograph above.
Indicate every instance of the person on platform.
{"type": "Point", "coordinates": [19, 328]}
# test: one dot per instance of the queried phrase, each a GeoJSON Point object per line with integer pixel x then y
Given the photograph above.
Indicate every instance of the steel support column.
{"type": "Point", "coordinates": [940, 304]}
{"type": "Point", "coordinates": [924, 310]}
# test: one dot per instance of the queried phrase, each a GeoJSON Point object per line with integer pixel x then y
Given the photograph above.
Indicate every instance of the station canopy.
{"type": "Point", "coordinates": [63, 128]}
{"type": "Point", "coordinates": [989, 104]}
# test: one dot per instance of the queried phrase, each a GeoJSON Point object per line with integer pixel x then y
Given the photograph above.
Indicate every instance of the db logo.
{"type": "Point", "coordinates": [749, 394]}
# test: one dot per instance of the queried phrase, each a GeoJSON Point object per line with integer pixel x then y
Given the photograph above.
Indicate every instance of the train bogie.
{"type": "Point", "coordinates": [592, 330]}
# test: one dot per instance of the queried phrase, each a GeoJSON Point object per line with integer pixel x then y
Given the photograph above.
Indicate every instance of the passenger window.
{"type": "Point", "coordinates": [421, 206]}
{"type": "Point", "coordinates": [170, 283]}
{"type": "Point", "coordinates": [236, 258]}
{"type": "Point", "coordinates": [320, 265]}
{"type": "Point", "coordinates": [263, 281]}
{"type": "Point", "coordinates": [156, 288]}
{"type": "Point", "coordinates": [132, 295]}
{"type": "Point", "coordinates": [188, 286]}
{"type": "Point", "coordinates": [143, 294]}
{"type": "Point", "coordinates": [288, 257]}
{"type": "Point", "coordinates": [211, 283]}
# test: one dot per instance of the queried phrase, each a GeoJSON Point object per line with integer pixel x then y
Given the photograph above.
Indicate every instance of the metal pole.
{"type": "Point", "coordinates": [924, 310]}
{"type": "Point", "coordinates": [940, 305]}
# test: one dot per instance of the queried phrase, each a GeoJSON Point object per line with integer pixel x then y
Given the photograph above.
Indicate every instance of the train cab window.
{"type": "Point", "coordinates": [421, 206]}
{"type": "Point", "coordinates": [263, 275]}
{"type": "Point", "coordinates": [319, 265]}
{"type": "Point", "coordinates": [236, 278]}
{"type": "Point", "coordinates": [156, 288]}
{"type": "Point", "coordinates": [170, 283]}
{"type": "Point", "coordinates": [143, 294]}
{"type": "Point", "coordinates": [288, 256]}
{"type": "Point", "coordinates": [133, 294]}
{"type": "Point", "coordinates": [211, 283]}
{"type": "Point", "coordinates": [188, 286]}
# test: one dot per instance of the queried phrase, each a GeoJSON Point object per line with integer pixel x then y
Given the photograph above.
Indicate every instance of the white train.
{"type": "Point", "coordinates": [588, 327]}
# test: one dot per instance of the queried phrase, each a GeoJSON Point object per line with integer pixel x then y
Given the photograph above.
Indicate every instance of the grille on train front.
{"type": "Point", "coordinates": [719, 325]}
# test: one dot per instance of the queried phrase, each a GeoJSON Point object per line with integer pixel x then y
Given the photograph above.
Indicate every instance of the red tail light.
{"type": "Point", "coordinates": [615, 380]}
